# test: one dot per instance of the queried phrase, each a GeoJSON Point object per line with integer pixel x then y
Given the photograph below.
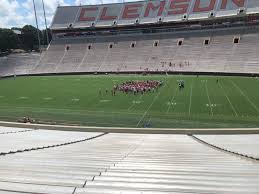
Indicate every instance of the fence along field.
{"type": "Point", "coordinates": [205, 101]}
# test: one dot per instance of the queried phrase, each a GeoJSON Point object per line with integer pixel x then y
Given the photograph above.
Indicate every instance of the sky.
{"type": "Point", "coordinates": [17, 13]}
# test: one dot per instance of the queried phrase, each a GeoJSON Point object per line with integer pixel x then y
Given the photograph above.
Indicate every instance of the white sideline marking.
{"type": "Point", "coordinates": [104, 101]}
{"type": "Point", "coordinates": [75, 100]}
{"type": "Point", "coordinates": [207, 91]}
{"type": "Point", "coordinates": [23, 98]}
{"type": "Point", "coordinates": [247, 98]}
{"type": "Point", "coordinates": [190, 104]}
{"type": "Point", "coordinates": [145, 113]}
{"type": "Point", "coordinates": [47, 98]}
{"type": "Point", "coordinates": [41, 109]}
{"type": "Point", "coordinates": [228, 100]}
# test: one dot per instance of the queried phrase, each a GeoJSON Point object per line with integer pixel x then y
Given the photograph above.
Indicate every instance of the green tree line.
{"type": "Point", "coordinates": [27, 40]}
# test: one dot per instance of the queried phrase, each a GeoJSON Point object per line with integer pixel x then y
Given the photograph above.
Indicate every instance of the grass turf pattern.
{"type": "Point", "coordinates": [203, 103]}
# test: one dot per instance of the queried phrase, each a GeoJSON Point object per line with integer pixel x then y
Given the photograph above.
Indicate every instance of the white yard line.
{"type": "Point", "coordinates": [231, 105]}
{"type": "Point", "coordinates": [207, 91]}
{"type": "Point", "coordinates": [149, 121]}
{"type": "Point", "coordinates": [75, 99]}
{"type": "Point", "coordinates": [47, 98]}
{"type": "Point", "coordinates": [133, 104]}
{"type": "Point", "coordinates": [243, 94]}
{"type": "Point", "coordinates": [171, 101]}
{"type": "Point", "coordinates": [190, 104]}
{"type": "Point", "coordinates": [23, 98]}
{"type": "Point", "coordinates": [145, 113]}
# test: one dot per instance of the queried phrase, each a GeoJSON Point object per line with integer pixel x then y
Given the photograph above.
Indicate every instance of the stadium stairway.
{"type": "Point", "coordinates": [122, 163]}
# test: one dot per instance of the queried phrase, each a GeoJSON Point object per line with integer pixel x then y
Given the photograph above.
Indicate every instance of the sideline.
{"type": "Point", "coordinates": [213, 131]}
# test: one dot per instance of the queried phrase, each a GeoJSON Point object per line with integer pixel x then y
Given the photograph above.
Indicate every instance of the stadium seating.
{"type": "Point", "coordinates": [220, 55]}
{"type": "Point", "coordinates": [239, 144]}
{"type": "Point", "coordinates": [138, 53]}
{"type": "Point", "coordinates": [122, 163]}
{"type": "Point", "coordinates": [34, 139]}
{"type": "Point", "coordinates": [5, 130]}
{"type": "Point", "coordinates": [19, 64]}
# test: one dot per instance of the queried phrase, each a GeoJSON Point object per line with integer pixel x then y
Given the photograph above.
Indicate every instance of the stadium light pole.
{"type": "Point", "coordinates": [36, 20]}
{"type": "Point", "coordinates": [47, 34]}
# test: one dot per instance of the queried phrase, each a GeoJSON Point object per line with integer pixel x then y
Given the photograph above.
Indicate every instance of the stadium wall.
{"type": "Point", "coordinates": [218, 131]}
{"type": "Point", "coordinates": [148, 12]}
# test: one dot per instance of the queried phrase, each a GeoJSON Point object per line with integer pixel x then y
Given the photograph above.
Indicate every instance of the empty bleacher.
{"type": "Point", "coordinates": [19, 64]}
{"type": "Point", "coordinates": [34, 138]}
{"type": "Point", "coordinates": [184, 51]}
{"type": "Point", "coordinates": [122, 163]}
{"type": "Point", "coordinates": [6, 130]}
{"type": "Point", "coordinates": [239, 144]}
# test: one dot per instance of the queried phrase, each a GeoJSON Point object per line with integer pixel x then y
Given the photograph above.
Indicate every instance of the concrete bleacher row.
{"type": "Point", "coordinates": [36, 138]}
{"type": "Point", "coordinates": [18, 64]}
{"type": "Point", "coordinates": [238, 144]}
{"type": "Point", "coordinates": [7, 130]}
{"type": "Point", "coordinates": [220, 55]}
{"type": "Point", "coordinates": [124, 163]}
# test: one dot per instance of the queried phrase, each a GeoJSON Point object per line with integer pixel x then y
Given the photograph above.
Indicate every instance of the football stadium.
{"type": "Point", "coordinates": [156, 97]}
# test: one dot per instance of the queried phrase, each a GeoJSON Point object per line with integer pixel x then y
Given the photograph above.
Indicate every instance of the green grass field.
{"type": "Point", "coordinates": [204, 103]}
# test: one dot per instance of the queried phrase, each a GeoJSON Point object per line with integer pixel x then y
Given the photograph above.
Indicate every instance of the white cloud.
{"type": "Point", "coordinates": [50, 7]}
{"type": "Point", "coordinates": [8, 12]}
{"type": "Point", "coordinates": [14, 13]}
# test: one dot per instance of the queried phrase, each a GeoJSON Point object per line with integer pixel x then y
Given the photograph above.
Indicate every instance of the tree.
{"type": "Point", "coordinates": [8, 40]}
{"type": "Point", "coordinates": [30, 37]}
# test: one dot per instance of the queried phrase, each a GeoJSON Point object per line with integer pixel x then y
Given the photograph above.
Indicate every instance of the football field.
{"type": "Point", "coordinates": [205, 102]}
